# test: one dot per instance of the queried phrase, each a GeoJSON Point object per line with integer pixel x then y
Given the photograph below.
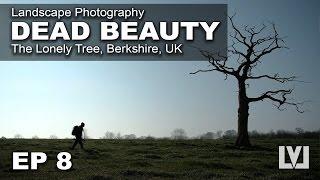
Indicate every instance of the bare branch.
{"type": "Point", "coordinates": [273, 45]}
{"type": "Point", "coordinates": [218, 63]}
{"type": "Point", "coordinates": [207, 70]}
{"type": "Point", "coordinates": [275, 77]}
{"type": "Point", "coordinates": [234, 50]}
{"type": "Point", "coordinates": [253, 32]}
{"type": "Point", "coordinates": [280, 98]}
{"type": "Point", "coordinates": [237, 33]}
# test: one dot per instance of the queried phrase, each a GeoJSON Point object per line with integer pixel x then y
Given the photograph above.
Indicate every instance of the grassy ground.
{"type": "Point", "coordinates": [161, 159]}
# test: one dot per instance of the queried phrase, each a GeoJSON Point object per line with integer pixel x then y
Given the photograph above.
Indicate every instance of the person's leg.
{"type": "Point", "coordinates": [74, 144]}
{"type": "Point", "coordinates": [81, 144]}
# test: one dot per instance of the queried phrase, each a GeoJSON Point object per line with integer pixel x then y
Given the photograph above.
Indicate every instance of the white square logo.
{"type": "Point", "coordinates": [294, 155]}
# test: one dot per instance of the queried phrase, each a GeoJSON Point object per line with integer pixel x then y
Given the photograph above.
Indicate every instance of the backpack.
{"type": "Point", "coordinates": [75, 130]}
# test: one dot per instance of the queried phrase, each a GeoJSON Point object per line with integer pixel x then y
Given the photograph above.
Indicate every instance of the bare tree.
{"type": "Point", "coordinates": [149, 137]}
{"type": "Point", "coordinates": [18, 136]}
{"type": "Point", "coordinates": [53, 137]}
{"type": "Point", "coordinates": [249, 47]}
{"type": "Point", "coordinates": [300, 131]}
{"type": "Point", "coordinates": [109, 135]}
{"type": "Point", "coordinates": [35, 137]}
{"type": "Point", "coordinates": [230, 133]}
{"type": "Point", "coordinates": [130, 136]}
{"type": "Point", "coordinates": [118, 136]}
{"type": "Point", "coordinates": [179, 134]}
{"type": "Point", "coordinates": [219, 134]}
{"type": "Point", "coordinates": [207, 135]}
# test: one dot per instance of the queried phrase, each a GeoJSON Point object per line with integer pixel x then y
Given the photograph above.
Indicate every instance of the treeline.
{"type": "Point", "coordinates": [182, 134]}
{"type": "Point", "coordinates": [299, 132]}
{"type": "Point", "coordinates": [179, 133]}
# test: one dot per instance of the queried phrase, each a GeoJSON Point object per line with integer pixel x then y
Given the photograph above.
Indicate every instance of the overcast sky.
{"type": "Point", "coordinates": [153, 98]}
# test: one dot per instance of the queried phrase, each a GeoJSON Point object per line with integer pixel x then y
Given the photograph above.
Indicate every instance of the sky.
{"type": "Point", "coordinates": [153, 98]}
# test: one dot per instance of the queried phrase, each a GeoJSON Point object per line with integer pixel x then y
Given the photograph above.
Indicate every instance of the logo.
{"type": "Point", "coordinates": [294, 155]}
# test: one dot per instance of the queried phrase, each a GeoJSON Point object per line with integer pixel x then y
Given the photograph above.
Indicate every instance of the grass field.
{"type": "Point", "coordinates": [160, 159]}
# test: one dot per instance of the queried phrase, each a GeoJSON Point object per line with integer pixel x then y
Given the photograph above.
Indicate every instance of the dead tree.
{"type": "Point", "coordinates": [249, 47]}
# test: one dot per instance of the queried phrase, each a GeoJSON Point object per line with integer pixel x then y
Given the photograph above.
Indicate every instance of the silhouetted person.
{"type": "Point", "coordinates": [77, 132]}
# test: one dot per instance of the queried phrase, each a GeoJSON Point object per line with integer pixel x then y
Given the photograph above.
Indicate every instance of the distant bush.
{"type": "Point", "coordinates": [208, 135]}
{"type": "Point", "coordinates": [162, 138]}
{"type": "Point", "coordinates": [53, 137]}
{"type": "Point", "coordinates": [299, 131]}
{"type": "Point", "coordinates": [219, 134]}
{"type": "Point", "coordinates": [230, 133]}
{"type": "Point", "coordinates": [118, 136]}
{"type": "Point", "coordinates": [35, 137]}
{"type": "Point", "coordinates": [18, 136]}
{"type": "Point", "coordinates": [148, 137]}
{"type": "Point", "coordinates": [3, 137]}
{"type": "Point", "coordinates": [179, 134]}
{"type": "Point", "coordinates": [130, 136]}
{"type": "Point", "coordinates": [108, 135]}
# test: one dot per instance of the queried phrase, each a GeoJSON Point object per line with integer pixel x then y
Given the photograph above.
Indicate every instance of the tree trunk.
{"type": "Point", "coordinates": [243, 114]}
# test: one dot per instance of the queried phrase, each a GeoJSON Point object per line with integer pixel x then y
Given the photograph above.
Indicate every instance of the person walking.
{"type": "Point", "coordinates": [77, 132]}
